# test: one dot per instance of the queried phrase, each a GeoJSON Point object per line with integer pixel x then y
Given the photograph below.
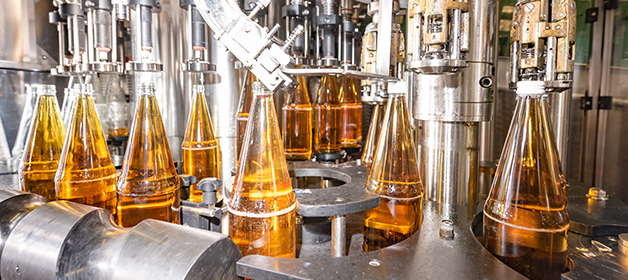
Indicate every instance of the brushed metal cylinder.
{"type": "Point", "coordinates": [338, 236]}
{"type": "Point", "coordinates": [14, 206]}
{"type": "Point", "coordinates": [449, 163]}
{"type": "Point", "coordinates": [482, 30]}
{"type": "Point", "coordinates": [66, 240]}
{"type": "Point", "coordinates": [465, 96]}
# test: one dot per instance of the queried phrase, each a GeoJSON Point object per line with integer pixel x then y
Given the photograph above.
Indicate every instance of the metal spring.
{"type": "Point", "coordinates": [527, 53]}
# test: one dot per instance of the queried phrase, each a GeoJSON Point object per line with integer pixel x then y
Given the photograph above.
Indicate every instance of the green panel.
{"type": "Point", "coordinates": [583, 32]}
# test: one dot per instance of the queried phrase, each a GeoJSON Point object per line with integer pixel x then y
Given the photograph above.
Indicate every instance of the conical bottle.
{"type": "Point", "coordinates": [86, 174]}
{"type": "Point", "coordinates": [371, 138]}
{"type": "Point", "coordinates": [25, 124]}
{"type": "Point", "coordinates": [100, 101]}
{"type": "Point", "coordinates": [327, 117]}
{"type": "Point", "coordinates": [262, 207]}
{"type": "Point", "coordinates": [525, 215]}
{"type": "Point", "coordinates": [297, 122]}
{"type": "Point", "coordinates": [350, 113]}
{"type": "Point", "coordinates": [117, 107]}
{"type": "Point", "coordinates": [69, 98]}
{"type": "Point", "coordinates": [148, 186]}
{"type": "Point", "coordinates": [244, 107]}
{"type": "Point", "coordinates": [45, 142]}
{"type": "Point", "coordinates": [395, 178]}
{"type": "Point", "coordinates": [201, 152]}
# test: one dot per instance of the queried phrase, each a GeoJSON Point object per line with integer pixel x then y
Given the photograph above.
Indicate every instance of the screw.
{"type": "Point", "coordinates": [557, 27]}
{"type": "Point", "coordinates": [528, 8]}
{"type": "Point", "coordinates": [374, 262]}
{"type": "Point", "coordinates": [339, 199]}
{"type": "Point", "coordinates": [247, 27]}
{"type": "Point", "coordinates": [447, 230]}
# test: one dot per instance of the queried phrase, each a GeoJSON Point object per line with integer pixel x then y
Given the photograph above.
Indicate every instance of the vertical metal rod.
{"type": "Point", "coordinates": [609, 27]}
{"type": "Point", "coordinates": [514, 63]}
{"type": "Point", "coordinates": [455, 34]}
{"type": "Point", "coordinates": [189, 31]}
{"type": "Point", "coordinates": [587, 160]}
{"type": "Point", "coordinates": [416, 47]}
{"type": "Point", "coordinates": [338, 234]}
{"type": "Point", "coordinates": [114, 38]}
{"type": "Point", "coordinates": [550, 61]}
{"type": "Point", "coordinates": [90, 36]}
{"type": "Point", "coordinates": [384, 33]}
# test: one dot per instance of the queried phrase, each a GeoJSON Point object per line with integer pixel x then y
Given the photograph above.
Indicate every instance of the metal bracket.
{"type": "Point", "coordinates": [586, 103]}
{"type": "Point", "coordinates": [591, 15]}
{"type": "Point", "coordinates": [611, 4]}
{"type": "Point", "coordinates": [605, 103]}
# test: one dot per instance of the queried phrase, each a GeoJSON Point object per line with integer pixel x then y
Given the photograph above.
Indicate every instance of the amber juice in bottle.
{"type": "Point", "coordinates": [350, 113]}
{"type": "Point", "coordinates": [262, 206]}
{"type": "Point", "coordinates": [394, 176]}
{"type": "Point", "coordinates": [86, 174]}
{"type": "Point", "coordinates": [327, 117]}
{"type": "Point", "coordinates": [117, 107]}
{"type": "Point", "coordinates": [525, 216]}
{"type": "Point", "coordinates": [297, 122]}
{"type": "Point", "coordinates": [43, 147]}
{"type": "Point", "coordinates": [201, 152]}
{"type": "Point", "coordinates": [244, 107]}
{"type": "Point", "coordinates": [148, 186]}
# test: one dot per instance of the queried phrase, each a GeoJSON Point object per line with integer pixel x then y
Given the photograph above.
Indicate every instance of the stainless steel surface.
{"type": "Point", "coordinates": [338, 236]}
{"type": "Point", "coordinates": [593, 216]}
{"type": "Point", "coordinates": [384, 33]}
{"type": "Point", "coordinates": [454, 97]}
{"type": "Point", "coordinates": [449, 165]}
{"type": "Point", "coordinates": [5, 152]}
{"type": "Point", "coordinates": [425, 255]}
{"type": "Point", "coordinates": [74, 241]}
{"type": "Point", "coordinates": [29, 41]}
{"type": "Point", "coordinates": [15, 205]}
{"type": "Point", "coordinates": [223, 105]}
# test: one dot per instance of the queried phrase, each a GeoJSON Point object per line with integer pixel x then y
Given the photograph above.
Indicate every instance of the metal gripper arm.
{"type": "Point", "coordinates": [542, 42]}
{"type": "Point", "coordinates": [248, 41]}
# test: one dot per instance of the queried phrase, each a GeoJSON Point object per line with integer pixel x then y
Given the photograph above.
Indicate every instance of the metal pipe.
{"type": "Point", "coordinates": [338, 236]}
{"type": "Point", "coordinates": [550, 60]}
{"type": "Point", "coordinates": [607, 59]}
{"type": "Point", "coordinates": [449, 163]}
{"type": "Point", "coordinates": [455, 34]}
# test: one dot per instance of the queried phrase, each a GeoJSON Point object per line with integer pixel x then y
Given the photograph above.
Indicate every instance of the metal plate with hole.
{"type": "Point", "coordinates": [351, 197]}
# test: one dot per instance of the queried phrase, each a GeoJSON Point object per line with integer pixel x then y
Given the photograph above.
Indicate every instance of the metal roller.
{"type": "Point", "coordinates": [66, 240]}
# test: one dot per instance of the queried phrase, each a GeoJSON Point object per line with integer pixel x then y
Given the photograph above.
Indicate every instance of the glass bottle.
{"type": "Point", "coordinates": [86, 174]}
{"type": "Point", "coordinates": [371, 138]}
{"type": "Point", "coordinates": [100, 101]}
{"type": "Point", "coordinates": [327, 117]}
{"type": "Point", "coordinates": [117, 107]}
{"type": "Point", "coordinates": [25, 126]}
{"type": "Point", "coordinates": [262, 207]}
{"type": "Point", "coordinates": [43, 148]}
{"type": "Point", "coordinates": [525, 215]}
{"type": "Point", "coordinates": [351, 113]}
{"type": "Point", "coordinates": [201, 152]}
{"type": "Point", "coordinates": [148, 186]}
{"type": "Point", "coordinates": [394, 176]}
{"type": "Point", "coordinates": [69, 98]}
{"type": "Point", "coordinates": [297, 122]}
{"type": "Point", "coordinates": [244, 107]}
